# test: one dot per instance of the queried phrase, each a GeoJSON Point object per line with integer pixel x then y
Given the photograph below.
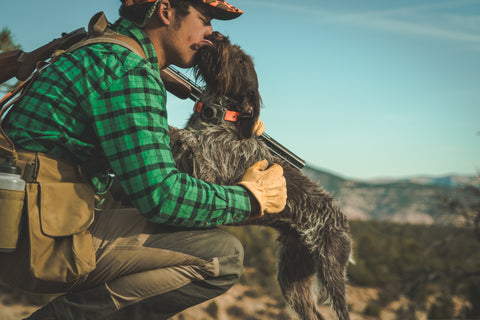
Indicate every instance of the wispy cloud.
{"type": "Point", "coordinates": [433, 27]}
{"type": "Point", "coordinates": [425, 7]}
{"type": "Point", "coordinates": [426, 20]}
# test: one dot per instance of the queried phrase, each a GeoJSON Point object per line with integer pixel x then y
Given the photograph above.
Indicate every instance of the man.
{"type": "Point", "coordinates": [104, 100]}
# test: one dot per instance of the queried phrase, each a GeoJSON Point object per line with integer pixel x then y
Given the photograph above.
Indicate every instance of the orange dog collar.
{"type": "Point", "coordinates": [212, 113]}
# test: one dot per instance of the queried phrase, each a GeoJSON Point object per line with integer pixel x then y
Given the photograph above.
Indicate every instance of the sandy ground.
{"type": "Point", "coordinates": [246, 303]}
{"type": "Point", "coordinates": [241, 302]}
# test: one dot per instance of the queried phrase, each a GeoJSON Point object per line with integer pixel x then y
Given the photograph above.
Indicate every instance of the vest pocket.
{"type": "Point", "coordinates": [66, 208]}
{"type": "Point", "coordinates": [59, 214]}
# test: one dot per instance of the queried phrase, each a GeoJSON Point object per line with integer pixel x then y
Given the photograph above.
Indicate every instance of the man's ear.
{"type": "Point", "coordinates": [164, 12]}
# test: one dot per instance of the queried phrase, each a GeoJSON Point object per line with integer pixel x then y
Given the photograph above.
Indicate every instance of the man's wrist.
{"type": "Point", "coordinates": [254, 205]}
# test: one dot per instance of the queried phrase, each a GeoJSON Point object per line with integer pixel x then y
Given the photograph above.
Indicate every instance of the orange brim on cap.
{"type": "Point", "coordinates": [223, 10]}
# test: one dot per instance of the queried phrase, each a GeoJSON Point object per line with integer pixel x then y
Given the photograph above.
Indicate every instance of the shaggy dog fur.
{"type": "Point", "coordinates": [314, 236]}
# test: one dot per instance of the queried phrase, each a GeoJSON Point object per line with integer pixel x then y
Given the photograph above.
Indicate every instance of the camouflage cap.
{"type": "Point", "coordinates": [222, 9]}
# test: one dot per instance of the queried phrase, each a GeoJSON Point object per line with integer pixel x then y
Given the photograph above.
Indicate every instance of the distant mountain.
{"type": "Point", "coordinates": [447, 181]}
{"type": "Point", "coordinates": [412, 200]}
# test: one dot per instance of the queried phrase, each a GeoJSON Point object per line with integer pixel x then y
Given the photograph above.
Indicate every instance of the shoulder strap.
{"type": "Point", "coordinates": [119, 39]}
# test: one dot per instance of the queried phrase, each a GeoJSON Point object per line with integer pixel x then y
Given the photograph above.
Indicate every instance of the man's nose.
{"type": "Point", "coordinates": [208, 32]}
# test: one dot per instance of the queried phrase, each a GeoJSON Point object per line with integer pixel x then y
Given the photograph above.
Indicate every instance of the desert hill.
{"type": "Point", "coordinates": [412, 200]}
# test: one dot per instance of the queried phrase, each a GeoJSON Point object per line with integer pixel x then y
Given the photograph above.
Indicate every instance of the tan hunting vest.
{"type": "Point", "coordinates": [59, 202]}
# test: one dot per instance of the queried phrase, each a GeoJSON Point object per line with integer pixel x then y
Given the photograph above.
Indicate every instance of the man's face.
{"type": "Point", "coordinates": [189, 34]}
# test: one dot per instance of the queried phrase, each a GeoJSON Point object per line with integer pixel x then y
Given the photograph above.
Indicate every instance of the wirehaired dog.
{"type": "Point", "coordinates": [314, 236]}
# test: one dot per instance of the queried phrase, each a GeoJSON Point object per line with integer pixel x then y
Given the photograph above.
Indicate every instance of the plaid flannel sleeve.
{"type": "Point", "coordinates": [130, 120]}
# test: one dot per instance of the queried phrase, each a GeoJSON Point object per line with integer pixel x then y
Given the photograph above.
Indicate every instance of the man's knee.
{"type": "Point", "coordinates": [220, 247]}
{"type": "Point", "coordinates": [230, 257]}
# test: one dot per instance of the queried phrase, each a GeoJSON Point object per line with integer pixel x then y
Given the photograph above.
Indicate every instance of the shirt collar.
{"type": "Point", "coordinates": [130, 29]}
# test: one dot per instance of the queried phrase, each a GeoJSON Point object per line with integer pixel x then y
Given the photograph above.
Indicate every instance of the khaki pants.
{"type": "Point", "coordinates": [145, 270]}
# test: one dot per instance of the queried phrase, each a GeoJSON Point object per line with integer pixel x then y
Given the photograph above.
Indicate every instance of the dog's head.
{"type": "Point", "coordinates": [230, 77]}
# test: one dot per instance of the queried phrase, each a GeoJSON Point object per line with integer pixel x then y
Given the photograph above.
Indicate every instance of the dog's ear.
{"type": "Point", "coordinates": [229, 72]}
{"type": "Point", "coordinates": [247, 87]}
{"type": "Point", "coordinates": [250, 114]}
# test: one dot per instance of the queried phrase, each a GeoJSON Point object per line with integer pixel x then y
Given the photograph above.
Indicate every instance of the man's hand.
{"type": "Point", "coordinates": [268, 186]}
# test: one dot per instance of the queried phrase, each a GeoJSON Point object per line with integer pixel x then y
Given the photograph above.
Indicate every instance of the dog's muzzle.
{"type": "Point", "coordinates": [215, 114]}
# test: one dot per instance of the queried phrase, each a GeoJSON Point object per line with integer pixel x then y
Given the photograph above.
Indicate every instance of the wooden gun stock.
{"type": "Point", "coordinates": [21, 64]}
{"type": "Point", "coordinates": [179, 85]}
{"type": "Point", "coordinates": [9, 64]}
{"type": "Point", "coordinates": [173, 84]}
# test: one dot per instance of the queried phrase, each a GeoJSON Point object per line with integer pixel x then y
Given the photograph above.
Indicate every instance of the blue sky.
{"type": "Point", "coordinates": [363, 89]}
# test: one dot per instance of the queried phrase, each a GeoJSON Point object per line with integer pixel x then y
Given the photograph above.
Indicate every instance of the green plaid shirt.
{"type": "Point", "coordinates": [104, 99]}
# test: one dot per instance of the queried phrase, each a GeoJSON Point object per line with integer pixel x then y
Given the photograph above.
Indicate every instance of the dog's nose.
{"type": "Point", "coordinates": [216, 36]}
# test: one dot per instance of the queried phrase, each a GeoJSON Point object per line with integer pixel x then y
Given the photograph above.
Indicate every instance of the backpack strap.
{"type": "Point", "coordinates": [114, 38]}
